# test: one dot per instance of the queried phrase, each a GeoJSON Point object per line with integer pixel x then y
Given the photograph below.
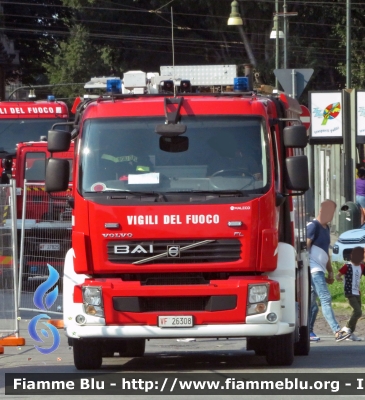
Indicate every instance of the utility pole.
{"type": "Point", "coordinates": [348, 44]}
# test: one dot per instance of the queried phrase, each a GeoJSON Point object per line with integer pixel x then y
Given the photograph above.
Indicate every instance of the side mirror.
{"type": "Point", "coordinates": [58, 141]}
{"type": "Point", "coordinates": [57, 175]}
{"type": "Point", "coordinates": [295, 136]}
{"type": "Point", "coordinates": [296, 173]}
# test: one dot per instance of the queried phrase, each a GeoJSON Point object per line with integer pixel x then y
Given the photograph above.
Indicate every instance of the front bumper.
{"type": "Point", "coordinates": [256, 325]}
{"type": "Point", "coordinates": [198, 331]}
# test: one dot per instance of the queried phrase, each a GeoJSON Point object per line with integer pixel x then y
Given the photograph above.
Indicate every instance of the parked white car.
{"type": "Point", "coordinates": [341, 250]}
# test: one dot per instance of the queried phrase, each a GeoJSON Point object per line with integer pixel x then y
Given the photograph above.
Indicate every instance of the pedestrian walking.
{"type": "Point", "coordinates": [318, 242]}
{"type": "Point", "coordinates": [353, 271]}
{"type": "Point", "coordinates": [360, 187]}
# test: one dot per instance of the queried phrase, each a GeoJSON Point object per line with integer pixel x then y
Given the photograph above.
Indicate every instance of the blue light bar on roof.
{"type": "Point", "coordinates": [240, 84]}
{"type": "Point", "coordinates": [114, 85]}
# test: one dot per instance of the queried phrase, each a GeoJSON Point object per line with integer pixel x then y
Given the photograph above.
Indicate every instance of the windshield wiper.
{"type": "Point", "coordinates": [228, 193]}
{"type": "Point", "coordinates": [122, 194]}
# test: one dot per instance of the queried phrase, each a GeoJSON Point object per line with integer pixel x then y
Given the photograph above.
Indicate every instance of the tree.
{"type": "Point", "coordinates": [35, 27]}
{"type": "Point", "coordinates": [77, 60]}
{"type": "Point", "coordinates": [137, 34]}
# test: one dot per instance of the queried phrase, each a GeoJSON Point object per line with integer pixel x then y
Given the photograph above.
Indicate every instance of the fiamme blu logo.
{"type": "Point", "coordinates": [44, 299]}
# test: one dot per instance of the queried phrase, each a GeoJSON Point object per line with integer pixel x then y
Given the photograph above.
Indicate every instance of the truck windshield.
{"type": "Point", "coordinates": [224, 153]}
{"type": "Point", "coordinates": [14, 131]}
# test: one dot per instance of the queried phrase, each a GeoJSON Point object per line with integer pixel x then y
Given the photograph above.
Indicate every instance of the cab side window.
{"type": "Point", "coordinates": [35, 167]}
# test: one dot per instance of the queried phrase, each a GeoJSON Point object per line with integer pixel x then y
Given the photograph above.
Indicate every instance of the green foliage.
{"type": "Point", "coordinates": [35, 29]}
{"type": "Point", "coordinates": [137, 34]}
{"type": "Point", "coordinates": [77, 61]}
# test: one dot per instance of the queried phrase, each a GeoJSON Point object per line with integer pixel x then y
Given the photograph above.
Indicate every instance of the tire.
{"type": "Point", "coordinates": [108, 353]}
{"type": "Point", "coordinates": [280, 350]}
{"type": "Point", "coordinates": [302, 347]}
{"type": "Point", "coordinates": [87, 354]}
{"type": "Point", "coordinates": [133, 348]}
{"type": "Point", "coordinates": [258, 345]}
{"type": "Point", "coordinates": [108, 348]}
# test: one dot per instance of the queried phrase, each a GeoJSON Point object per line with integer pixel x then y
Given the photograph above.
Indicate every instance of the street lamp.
{"type": "Point", "coordinates": [235, 19]}
{"type": "Point", "coordinates": [276, 34]}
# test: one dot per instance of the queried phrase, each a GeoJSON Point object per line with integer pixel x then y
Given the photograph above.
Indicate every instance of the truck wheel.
{"type": "Point", "coordinates": [280, 350]}
{"type": "Point", "coordinates": [302, 347]}
{"type": "Point", "coordinates": [87, 354]}
{"type": "Point", "coordinates": [258, 345]}
{"type": "Point", "coordinates": [108, 348]}
{"type": "Point", "coordinates": [134, 348]}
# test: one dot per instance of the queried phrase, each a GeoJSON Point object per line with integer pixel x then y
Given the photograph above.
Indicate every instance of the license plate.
{"type": "Point", "coordinates": [170, 321]}
{"type": "Point", "coordinates": [49, 246]}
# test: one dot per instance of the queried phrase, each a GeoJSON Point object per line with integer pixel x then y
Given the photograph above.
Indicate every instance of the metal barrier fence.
{"type": "Point", "coordinates": [45, 237]}
{"type": "Point", "coordinates": [9, 323]}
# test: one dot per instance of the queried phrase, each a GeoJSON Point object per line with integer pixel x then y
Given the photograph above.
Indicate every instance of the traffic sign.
{"type": "Point", "coordinates": [293, 80]}
{"type": "Point", "coordinates": [305, 117]}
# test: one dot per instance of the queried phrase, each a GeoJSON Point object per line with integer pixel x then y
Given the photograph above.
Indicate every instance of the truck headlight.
{"type": "Point", "coordinates": [257, 293]}
{"type": "Point", "coordinates": [93, 301]}
{"type": "Point", "coordinates": [92, 295]}
{"type": "Point", "coordinates": [335, 249]}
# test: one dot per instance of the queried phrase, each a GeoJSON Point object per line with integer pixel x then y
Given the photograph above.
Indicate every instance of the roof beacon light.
{"type": "Point", "coordinates": [240, 84]}
{"type": "Point", "coordinates": [185, 86]}
{"type": "Point", "coordinates": [167, 86]}
{"type": "Point", "coordinates": [114, 85]}
{"type": "Point", "coordinates": [51, 98]}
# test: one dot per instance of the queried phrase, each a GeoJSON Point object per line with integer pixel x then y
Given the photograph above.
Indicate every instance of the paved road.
{"type": "Point", "coordinates": [163, 356]}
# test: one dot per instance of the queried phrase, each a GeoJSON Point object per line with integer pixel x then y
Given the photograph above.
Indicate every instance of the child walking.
{"type": "Point", "coordinates": [353, 272]}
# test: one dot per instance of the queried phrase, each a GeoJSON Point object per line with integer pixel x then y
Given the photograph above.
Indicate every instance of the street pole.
{"type": "Point", "coordinates": [276, 24]}
{"type": "Point", "coordinates": [285, 38]}
{"type": "Point", "coordinates": [348, 44]}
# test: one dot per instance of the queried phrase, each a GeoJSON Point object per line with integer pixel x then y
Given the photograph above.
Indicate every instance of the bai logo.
{"type": "Point", "coordinates": [44, 301]}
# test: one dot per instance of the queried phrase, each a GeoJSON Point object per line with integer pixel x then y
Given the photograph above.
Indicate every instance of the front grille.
{"type": "Point", "coordinates": [161, 304]}
{"type": "Point", "coordinates": [150, 304]}
{"type": "Point", "coordinates": [217, 251]}
{"type": "Point", "coordinates": [35, 237]}
{"type": "Point", "coordinates": [352, 241]}
{"type": "Point", "coordinates": [174, 279]}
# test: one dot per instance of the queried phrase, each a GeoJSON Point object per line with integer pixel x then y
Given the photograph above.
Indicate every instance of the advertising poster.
{"type": "Point", "coordinates": [326, 116]}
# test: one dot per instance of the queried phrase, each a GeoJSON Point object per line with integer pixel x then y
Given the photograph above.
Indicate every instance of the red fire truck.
{"type": "Point", "coordinates": [188, 216]}
{"type": "Point", "coordinates": [29, 163]}
{"type": "Point", "coordinates": [47, 217]}
{"type": "Point", "coordinates": [24, 121]}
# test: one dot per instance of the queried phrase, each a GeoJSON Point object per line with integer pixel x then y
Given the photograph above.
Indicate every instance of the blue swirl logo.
{"type": "Point", "coordinates": [44, 301]}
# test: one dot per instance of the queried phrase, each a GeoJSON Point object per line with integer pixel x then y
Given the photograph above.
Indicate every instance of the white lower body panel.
{"type": "Point", "coordinates": [199, 331]}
